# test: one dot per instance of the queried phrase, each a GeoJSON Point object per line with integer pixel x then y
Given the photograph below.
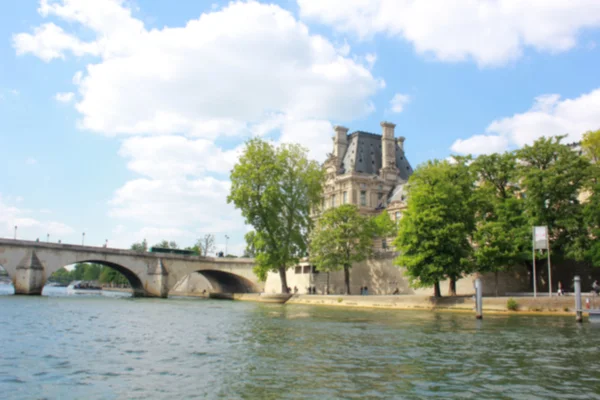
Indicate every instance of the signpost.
{"type": "Point", "coordinates": [541, 242]}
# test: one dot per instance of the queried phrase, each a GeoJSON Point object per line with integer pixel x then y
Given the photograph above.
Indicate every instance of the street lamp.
{"type": "Point", "coordinates": [106, 243]}
{"type": "Point", "coordinates": [82, 238]}
{"type": "Point", "coordinates": [15, 232]}
{"type": "Point", "coordinates": [48, 237]}
{"type": "Point", "coordinates": [226, 239]}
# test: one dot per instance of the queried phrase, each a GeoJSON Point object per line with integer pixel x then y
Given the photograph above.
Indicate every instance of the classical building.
{"type": "Point", "coordinates": [368, 170]}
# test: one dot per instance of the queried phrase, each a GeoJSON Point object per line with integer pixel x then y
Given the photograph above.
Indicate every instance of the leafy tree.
{"type": "Point", "coordinates": [591, 146]}
{"type": "Point", "coordinates": [165, 244]}
{"type": "Point", "coordinates": [141, 247]}
{"type": "Point", "coordinates": [434, 233]}
{"type": "Point", "coordinates": [383, 225]}
{"type": "Point", "coordinates": [91, 272]}
{"type": "Point", "coordinates": [502, 236]}
{"type": "Point", "coordinates": [341, 237]}
{"type": "Point", "coordinates": [591, 149]}
{"type": "Point", "coordinates": [275, 188]}
{"type": "Point", "coordinates": [552, 176]}
{"type": "Point", "coordinates": [112, 276]}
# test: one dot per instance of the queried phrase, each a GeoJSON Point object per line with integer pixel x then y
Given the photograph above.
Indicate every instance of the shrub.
{"type": "Point", "coordinates": [512, 305]}
{"type": "Point", "coordinates": [340, 299]}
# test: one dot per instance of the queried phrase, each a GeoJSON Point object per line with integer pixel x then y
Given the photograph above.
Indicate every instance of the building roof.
{"type": "Point", "coordinates": [363, 154]}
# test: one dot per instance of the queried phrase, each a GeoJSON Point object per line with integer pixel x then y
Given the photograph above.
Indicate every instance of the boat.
{"type": "Point", "coordinates": [83, 287]}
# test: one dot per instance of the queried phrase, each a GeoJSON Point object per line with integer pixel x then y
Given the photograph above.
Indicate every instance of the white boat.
{"type": "Point", "coordinates": [82, 287]}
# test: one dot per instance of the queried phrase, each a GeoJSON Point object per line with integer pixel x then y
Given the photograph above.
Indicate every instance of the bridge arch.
{"type": "Point", "coordinates": [133, 279]}
{"type": "Point", "coordinates": [218, 282]}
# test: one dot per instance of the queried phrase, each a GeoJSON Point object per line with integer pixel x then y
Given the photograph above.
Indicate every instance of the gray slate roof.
{"type": "Point", "coordinates": [363, 154]}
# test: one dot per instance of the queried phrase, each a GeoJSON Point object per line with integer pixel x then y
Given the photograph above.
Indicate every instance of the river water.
{"type": "Point", "coordinates": [117, 347]}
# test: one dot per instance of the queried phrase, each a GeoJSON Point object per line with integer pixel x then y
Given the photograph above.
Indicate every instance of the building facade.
{"type": "Point", "coordinates": [368, 170]}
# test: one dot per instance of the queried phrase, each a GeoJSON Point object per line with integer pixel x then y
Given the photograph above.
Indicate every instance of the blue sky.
{"type": "Point", "coordinates": [121, 119]}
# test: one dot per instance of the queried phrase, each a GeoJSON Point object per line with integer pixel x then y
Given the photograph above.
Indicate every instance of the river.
{"type": "Point", "coordinates": [118, 347]}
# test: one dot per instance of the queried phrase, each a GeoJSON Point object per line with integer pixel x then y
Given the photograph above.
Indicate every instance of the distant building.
{"type": "Point", "coordinates": [368, 170]}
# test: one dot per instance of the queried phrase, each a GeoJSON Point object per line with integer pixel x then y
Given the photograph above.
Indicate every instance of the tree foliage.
{"type": "Point", "coordinates": [502, 238]}
{"type": "Point", "coordinates": [275, 188]}
{"type": "Point", "coordinates": [552, 176]}
{"type": "Point", "coordinates": [140, 246]}
{"type": "Point", "coordinates": [165, 244]}
{"type": "Point", "coordinates": [341, 237]}
{"type": "Point", "coordinates": [383, 226]}
{"type": "Point", "coordinates": [434, 233]}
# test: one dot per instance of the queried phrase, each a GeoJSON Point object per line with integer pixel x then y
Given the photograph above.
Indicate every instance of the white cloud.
{"type": "Point", "coordinates": [64, 97]}
{"type": "Point", "coordinates": [214, 76]}
{"type": "Point", "coordinates": [480, 144]}
{"type": "Point", "coordinates": [165, 157]}
{"type": "Point", "coordinates": [242, 70]}
{"type": "Point", "coordinates": [15, 92]}
{"type": "Point", "coordinates": [30, 161]}
{"type": "Point", "coordinates": [489, 32]}
{"type": "Point", "coordinates": [548, 116]}
{"type": "Point", "coordinates": [398, 102]}
{"type": "Point", "coordinates": [28, 227]}
{"type": "Point", "coordinates": [49, 41]}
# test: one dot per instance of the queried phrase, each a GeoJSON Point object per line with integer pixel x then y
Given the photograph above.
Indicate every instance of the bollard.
{"type": "Point", "coordinates": [578, 312]}
{"type": "Point", "coordinates": [478, 299]}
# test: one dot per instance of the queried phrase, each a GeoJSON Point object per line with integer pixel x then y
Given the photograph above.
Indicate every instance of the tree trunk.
{"type": "Point", "coordinates": [436, 290]}
{"type": "Point", "coordinates": [347, 278]}
{"type": "Point", "coordinates": [283, 277]}
{"type": "Point", "coordinates": [327, 283]}
{"type": "Point", "coordinates": [496, 283]}
{"type": "Point", "coordinates": [452, 287]}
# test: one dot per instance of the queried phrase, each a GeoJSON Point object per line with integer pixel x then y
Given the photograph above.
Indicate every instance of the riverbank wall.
{"type": "Point", "coordinates": [548, 305]}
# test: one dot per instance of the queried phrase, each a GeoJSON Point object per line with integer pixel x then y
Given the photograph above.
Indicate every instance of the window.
{"type": "Point", "coordinates": [332, 200]}
{"type": "Point", "coordinates": [398, 215]}
{"type": "Point", "coordinates": [298, 270]}
{"type": "Point", "coordinates": [345, 197]}
{"type": "Point", "coordinates": [384, 243]}
{"type": "Point", "coordinates": [363, 198]}
{"type": "Point", "coordinates": [307, 269]}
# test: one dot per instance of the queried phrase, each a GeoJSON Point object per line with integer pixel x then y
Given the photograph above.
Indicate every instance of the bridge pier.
{"type": "Point", "coordinates": [29, 277]}
{"type": "Point", "coordinates": [157, 284]}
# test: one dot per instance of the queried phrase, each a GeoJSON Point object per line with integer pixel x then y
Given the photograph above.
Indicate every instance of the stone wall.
{"type": "Point", "coordinates": [381, 276]}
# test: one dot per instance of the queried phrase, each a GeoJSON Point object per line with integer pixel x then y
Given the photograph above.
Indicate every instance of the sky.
{"type": "Point", "coordinates": [122, 119]}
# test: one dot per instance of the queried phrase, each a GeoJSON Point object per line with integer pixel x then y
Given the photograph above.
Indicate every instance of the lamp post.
{"type": "Point", "coordinates": [226, 239]}
{"type": "Point", "coordinates": [48, 237]}
{"type": "Point", "coordinates": [106, 243]}
{"type": "Point", "coordinates": [15, 232]}
{"type": "Point", "coordinates": [82, 238]}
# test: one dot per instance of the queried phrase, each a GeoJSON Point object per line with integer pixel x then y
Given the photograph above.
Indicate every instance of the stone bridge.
{"type": "Point", "coordinates": [29, 264]}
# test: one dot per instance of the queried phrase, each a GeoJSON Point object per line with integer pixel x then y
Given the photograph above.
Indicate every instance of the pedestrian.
{"type": "Point", "coordinates": [560, 291]}
{"type": "Point", "coordinates": [366, 291]}
{"type": "Point", "coordinates": [295, 289]}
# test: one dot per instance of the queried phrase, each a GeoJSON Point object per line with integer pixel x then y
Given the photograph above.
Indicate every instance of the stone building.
{"type": "Point", "coordinates": [368, 170]}
{"type": "Point", "coordinates": [371, 170]}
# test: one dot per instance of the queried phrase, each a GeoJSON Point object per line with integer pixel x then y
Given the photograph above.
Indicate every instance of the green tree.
{"type": "Point", "coordinates": [140, 246]}
{"type": "Point", "coordinates": [112, 276]}
{"type": "Point", "coordinates": [434, 233]}
{"type": "Point", "coordinates": [91, 272]}
{"type": "Point", "coordinates": [552, 176]}
{"type": "Point", "coordinates": [591, 146]}
{"type": "Point", "coordinates": [591, 149]}
{"type": "Point", "coordinates": [165, 244]}
{"type": "Point", "coordinates": [502, 237]}
{"type": "Point", "coordinates": [341, 237]}
{"type": "Point", "coordinates": [383, 225]}
{"type": "Point", "coordinates": [275, 188]}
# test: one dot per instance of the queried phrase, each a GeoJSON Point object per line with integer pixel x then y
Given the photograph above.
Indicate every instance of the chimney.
{"type": "Point", "coordinates": [388, 145]}
{"type": "Point", "coordinates": [340, 143]}
{"type": "Point", "coordinates": [400, 142]}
